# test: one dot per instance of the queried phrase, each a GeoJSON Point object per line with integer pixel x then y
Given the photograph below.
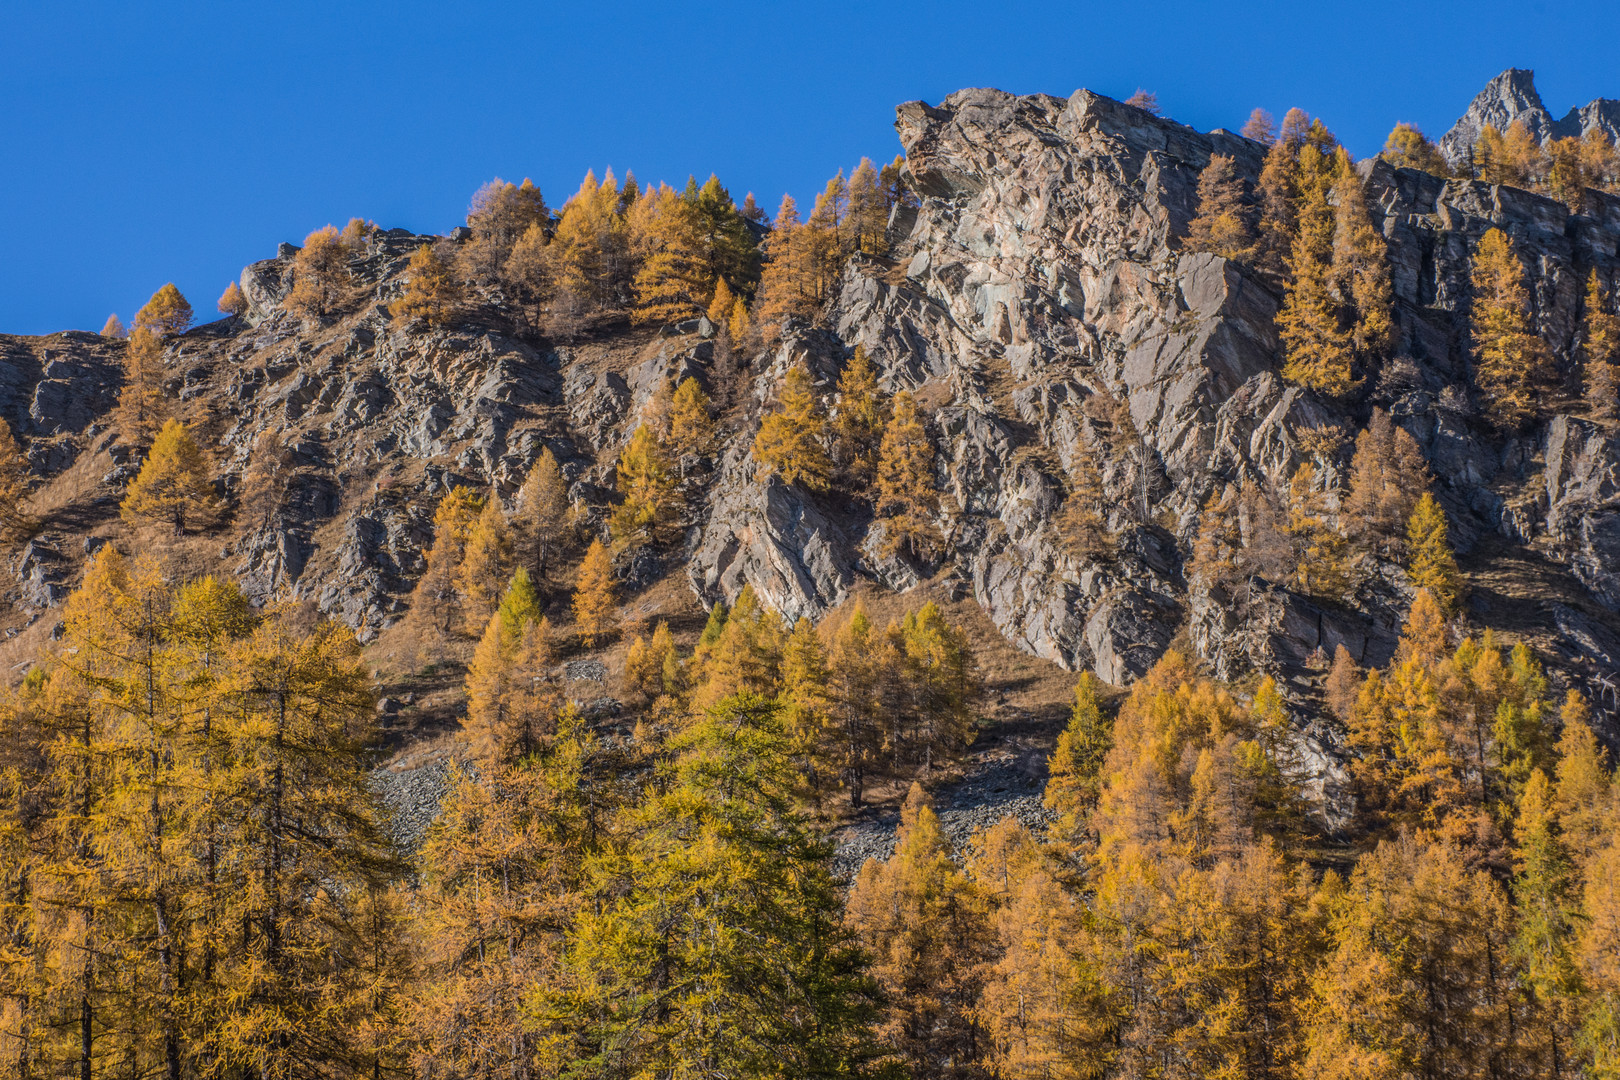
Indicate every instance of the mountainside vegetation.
{"type": "Point", "coordinates": [643, 637]}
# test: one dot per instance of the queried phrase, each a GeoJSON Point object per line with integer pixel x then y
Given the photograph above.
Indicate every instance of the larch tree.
{"type": "Point", "coordinates": [1342, 685]}
{"type": "Point", "coordinates": [1409, 148]}
{"type": "Point", "coordinates": [1600, 342]}
{"type": "Point", "coordinates": [804, 699]}
{"type": "Point", "coordinates": [322, 280]}
{"type": "Point", "coordinates": [862, 415]}
{"type": "Point", "coordinates": [709, 942]}
{"type": "Point", "coordinates": [1544, 940]}
{"type": "Point", "coordinates": [510, 706]}
{"type": "Point", "coordinates": [829, 235]}
{"type": "Point", "coordinates": [1261, 126]}
{"type": "Point", "coordinates": [853, 705]}
{"type": "Point", "coordinates": [739, 325]}
{"type": "Point", "coordinates": [530, 272]}
{"type": "Point", "coordinates": [787, 288]}
{"type": "Point", "coordinates": [744, 658]}
{"type": "Point", "coordinates": [790, 442]}
{"type": "Point", "coordinates": [232, 302]}
{"type": "Point", "coordinates": [436, 598]}
{"type": "Point", "coordinates": [1082, 524]}
{"type": "Point", "coordinates": [544, 514]}
{"type": "Point", "coordinates": [907, 494]}
{"type": "Point", "coordinates": [674, 282]}
{"type": "Point", "coordinates": [720, 305]}
{"type": "Point", "coordinates": [174, 485]}
{"type": "Point", "coordinates": [486, 563]}
{"type": "Point", "coordinates": [1319, 351]}
{"type": "Point", "coordinates": [1146, 100]}
{"type": "Point", "coordinates": [300, 725]}
{"type": "Point", "coordinates": [1222, 224]}
{"type": "Point", "coordinates": [726, 244]}
{"type": "Point", "coordinates": [141, 405]}
{"type": "Point", "coordinates": [691, 428]}
{"type": "Point", "coordinates": [1510, 360]}
{"type": "Point", "coordinates": [1075, 767]}
{"type": "Point", "coordinates": [868, 210]}
{"type": "Point", "coordinates": [500, 215]}
{"type": "Point", "coordinates": [1361, 268]}
{"type": "Point", "coordinates": [1320, 567]}
{"type": "Point", "coordinates": [15, 522]}
{"type": "Point", "coordinates": [1432, 564]}
{"type": "Point", "coordinates": [1388, 474]}
{"type": "Point", "coordinates": [1413, 983]}
{"type": "Point", "coordinates": [1045, 1012]}
{"type": "Point", "coordinates": [926, 927]}
{"type": "Point", "coordinates": [114, 328]}
{"type": "Point", "coordinates": [593, 602]}
{"type": "Point", "coordinates": [501, 871]}
{"type": "Point", "coordinates": [590, 249]}
{"type": "Point", "coordinates": [647, 488]}
{"type": "Point", "coordinates": [1279, 195]}
{"type": "Point", "coordinates": [167, 312]}
{"type": "Point", "coordinates": [432, 293]}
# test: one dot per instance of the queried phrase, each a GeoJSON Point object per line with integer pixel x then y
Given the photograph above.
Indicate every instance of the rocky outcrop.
{"type": "Point", "coordinates": [1038, 301]}
{"type": "Point", "coordinates": [1583, 503]}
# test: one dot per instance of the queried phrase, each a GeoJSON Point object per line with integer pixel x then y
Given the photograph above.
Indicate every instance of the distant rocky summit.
{"type": "Point", "coordinates": [1511, 98]}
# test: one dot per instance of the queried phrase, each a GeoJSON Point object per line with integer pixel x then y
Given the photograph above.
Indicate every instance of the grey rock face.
{"type": "Point", "coordinates": [773, 537]}
{"type": "Point", "coordinates": [1583, 503]}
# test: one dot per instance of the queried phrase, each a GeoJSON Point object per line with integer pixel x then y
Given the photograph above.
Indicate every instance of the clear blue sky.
{"type": "Point", "coordinates": [145, 143]}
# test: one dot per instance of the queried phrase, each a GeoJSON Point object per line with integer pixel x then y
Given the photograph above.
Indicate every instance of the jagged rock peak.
{"type": "Point", "coordinates": [1512, 97]}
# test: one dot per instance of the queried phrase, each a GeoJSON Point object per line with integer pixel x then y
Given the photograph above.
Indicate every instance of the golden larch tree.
{"type": "Point", "coordinates": [322, 281]}
{"type": "Point", "coordinates": [1388, 474]}
{"type": "Point", "coordinates": [114, 327]}
{"type": "Point", "coordinates": [691, 428]}
{"type": "Point", "coordinates": [486, 562]}
{"type": "Point", "coordinates": [544, 517]}
{"type": "Point", "coordinates": [174, 485]}
{"type": "Point", "coordinates": [863, 411]}
{"type": "Point", "coordinates": [907, 494]}
{"type": "Point", "coordinates": [868, 210]}
{"type": "Point", "coordinates": [436, 598]}
{"type": "Point", "coordinates": [593, 601]}
{"type": "Point", "coordinates": [673, 282]}
{"type": "Point", "coordinates": [1510, 360]}
{"type": "Point", "coordinates": [790, 442]}
{"type": "Point", "coordinates": [1261, 126]}
{"type": "Point", "coordinates": [1319, 351]}
{"type": "Point", "coordinates": [720, 305]}
{"type": "Point", "coordinates": [926, 927]}
{"type": "Point", "coordinates": [1361, 267]}
{"type": "Point", "coordinates": [650, 499]}
{"type": "Point", "coordinates": [432, 292]}
{"type": "Point", "coordinates": [232, 302]}
{"type": "Point", "coordinates": [141, 404]}
{"type": "Point", "coordinates": [1433, 566]}
{"type": "Point", "coordinates": [1409, 148]}
{"type": "Point", "coordinates": [1222, 223]}
{"type": "Point", "coordinates": [1600, 342]}
{"type": "Point", "coordinates": [167, 312]}
{"type": "Point", "coordinates": [501, 214]}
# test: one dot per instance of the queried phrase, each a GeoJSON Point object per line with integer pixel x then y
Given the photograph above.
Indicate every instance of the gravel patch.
{"type": "Point", "coordinates": [980, 801]}
{"type": "Point", "coordinates": [997, 790]}
{"type": "Point", "coordinates": [412, 797]}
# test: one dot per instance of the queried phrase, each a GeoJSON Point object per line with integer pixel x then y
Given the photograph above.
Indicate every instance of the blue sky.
{"type": "Point", "coordinates": [148, 143]}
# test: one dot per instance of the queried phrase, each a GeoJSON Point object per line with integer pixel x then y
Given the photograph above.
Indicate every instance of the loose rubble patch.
{"type": "Point", "coordinates": [981, 801]}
